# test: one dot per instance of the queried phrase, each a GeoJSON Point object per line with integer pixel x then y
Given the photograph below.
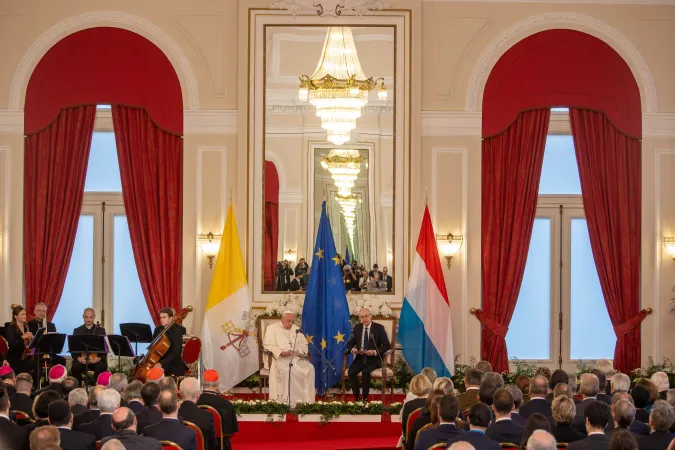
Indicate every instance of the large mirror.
{"type": "Point", "coordinates": [329, 135]}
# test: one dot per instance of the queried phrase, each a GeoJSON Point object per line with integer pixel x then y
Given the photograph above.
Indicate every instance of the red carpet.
{"type": "Point", "coordinates": [314, 436]}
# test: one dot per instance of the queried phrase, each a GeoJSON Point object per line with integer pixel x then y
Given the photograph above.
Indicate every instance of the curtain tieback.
{"type": "Point", "coordinates": [493, 327]}
{"type": "Point", "coordinates": [630, 324]}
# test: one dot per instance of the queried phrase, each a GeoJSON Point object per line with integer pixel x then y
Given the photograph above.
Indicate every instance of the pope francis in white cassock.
{"type": "Point", "coordinates": [279, 340]}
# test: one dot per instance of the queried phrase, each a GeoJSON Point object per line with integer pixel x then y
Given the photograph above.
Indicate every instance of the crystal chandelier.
{"type": "Point", "coordinates": [339, 87]}
{"type": "Point", "coordinates": [348, 205]}
{"type": "Point", "coordinates": [344, 166]}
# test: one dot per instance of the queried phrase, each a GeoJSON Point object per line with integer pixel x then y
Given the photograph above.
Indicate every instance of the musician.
{"type": "Point", "coordinates": [172, 361]}
{"type": "Point", "coordinates": [98, 363]}
{"type": "Point", "coordinates": [40, 321]}
{"type": "Point", "coordinates": [18, 337]}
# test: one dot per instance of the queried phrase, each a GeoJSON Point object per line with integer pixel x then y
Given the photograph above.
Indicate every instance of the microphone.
{"type": "Point", "coordinates": [370, 336]}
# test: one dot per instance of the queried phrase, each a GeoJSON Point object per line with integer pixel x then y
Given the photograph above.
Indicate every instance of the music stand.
{"type": "Point", "coordinates": [35, 351]}
{"type": "Point", "coordinates": [120, 346]}
{"type": "Point", "coordinates": [87, 344]}
{"type": "Point", "coordinates": [136, 332]}
{"type": "Point", "coordinates": [47, 344]}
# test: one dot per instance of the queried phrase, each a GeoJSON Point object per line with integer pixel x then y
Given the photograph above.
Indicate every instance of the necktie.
{"type": "Point", "coordinates": [364, 339]}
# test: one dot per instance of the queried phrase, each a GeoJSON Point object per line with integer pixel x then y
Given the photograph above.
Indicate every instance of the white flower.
{"type": "Point", "coordinates": [320, 402]}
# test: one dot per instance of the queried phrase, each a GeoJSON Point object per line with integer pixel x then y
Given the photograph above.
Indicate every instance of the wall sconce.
{"type": "Point", "coordinates": [209, 245]}
{"type": "Point", "coordinates": [669, 246]}
{"type": "Point", "coordinates": [449, 245]}
{"type": "Point", "coordinates": [290, 255]}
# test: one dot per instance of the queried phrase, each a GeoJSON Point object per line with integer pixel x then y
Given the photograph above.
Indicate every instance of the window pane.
{"type": "Point", "coordinates": [78, 292]}
{"type": "Point", "coordinates": [560, 109]}
{"type": "Point", "coordinates": [588, 304]}
{"type": "Point", "coordinates": [560, 173]}
{"type": "Point", "coordinates": [529, 335]}
{"type": "Point", "coordinates": [103, 171]}
{"type": "Point", "coordinates": [128, 300]}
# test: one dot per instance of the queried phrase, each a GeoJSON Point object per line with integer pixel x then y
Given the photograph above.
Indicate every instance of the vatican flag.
{"type": "Point", "coordinates": [228, 333]}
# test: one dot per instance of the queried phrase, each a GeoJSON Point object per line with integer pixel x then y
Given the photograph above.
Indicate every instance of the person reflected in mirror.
{"type": "Point", "coordinates": [387, 279]}
{"type": "Point", "coordinates": [376, 269]}
{"type": "Point", "coordinates": [302, 267]}
{"type": "Point", "coordinates": [297, 283]}
{"type": "Point", "coordinates": [350, 279]}
{"type": "Point", "coordinates": [284, 275]}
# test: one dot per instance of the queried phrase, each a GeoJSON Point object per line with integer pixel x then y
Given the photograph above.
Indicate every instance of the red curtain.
{"type": "Point", "coordinates": [511, 169]}
{"type": "Point", "coordinates": [271, 226]}
{"type": "Point", "coordinates": [151, 168]}
{"type": "Point", "coordinates": [55, 168]}
{"type": "Point", "coordinates": [610, 170]}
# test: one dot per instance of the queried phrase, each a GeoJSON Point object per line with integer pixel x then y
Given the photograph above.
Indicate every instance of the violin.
{"type": "Point", "coordinates": [159, 346]}
{"type": "Point", "coordinates": [97, 325]}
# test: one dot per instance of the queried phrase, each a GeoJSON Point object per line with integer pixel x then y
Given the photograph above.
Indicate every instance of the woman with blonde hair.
{"type": "Point", "coordinates": [430, 374]}
{"type": "Point", "coordinates": [444, 384]}
{"type": "Point", "coordinates": [564, 410]}
{"type": "Point", "coordinates": [419, 387]}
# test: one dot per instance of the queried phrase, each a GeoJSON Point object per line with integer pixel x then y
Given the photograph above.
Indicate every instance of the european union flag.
{"type": "Point", "coordinates": [348, 260]}
{"type": "Point", "coordinates": [325, 314]}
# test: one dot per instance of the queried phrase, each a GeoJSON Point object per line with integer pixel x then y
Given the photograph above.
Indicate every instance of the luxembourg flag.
{"type": "Point", "coordinates": [425, 330]}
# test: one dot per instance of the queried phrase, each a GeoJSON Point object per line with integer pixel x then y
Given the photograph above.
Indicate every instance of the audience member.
{"type": "Point", "coordinates": [563, 389]}
{"type": "Point", "coordinates": [68, 384]}
{"type": "Point", "coordinates": [11, 435]}
{"type": "Point", "coordinates": [124, 423]}
{"type": "Point", "coordinates": [420, 387]}
{"type": "Point", "coordinates": [623, 415]}
{"type": "Point", "coordinates": [169, 428]}
{"type": "Point", "coordinates": [538, 403]}
{"type": "Point", "coordinates": [479, 417]}
{"type": "Point", "coordinates": [113, 444]}
{"type": "Point", "coordinates": [503, 429]}
{"type": "Point", "coordinates": [167, 384]}
{"type": "Point", "coordinates": [448, 408]}
{"type": "Point", "coordinates": [8, 377]}
{"type": "Point", "coordinates": [132, 395]}
{"type": "Point", "coordinates": [119, 382]}
{"type": "Point", "coordinates": [494, 378]}
{"type": "Point", "coordinates": [623, 440]}
{"type": "Point", "coordinates": [523, 383]}
{"type": "Point", "coordinates": [444, 384]}
{"type": "Point", "coordinates": [557, 377]}
{"type": "Point", "coordinates": [486, 392]}
{"type": "Point", "coordinates": [660, 421]}
{"type": "Point", "coordinates": [641, 399]}
{"type": "Point", "coordinates": [61, 417]}
{"type": "Point", "coordinates": [573, 382]}
{"type": "Point", "coordinates": [210, 397]}
{"type": "Point", "coordinates": [103, 379]}
{"type": "Point", "coordinates": [41, 409]}
{"type": "Point", "coordinates": [94, 412]}
{"type": "Point", "coordinates": [607, 367]}
{"type": "Point", "coordinates": [651, 388]}
{"type": "Point", "coordinates": [472, 382]}
{"type": "Point", "coordinates": [602, 385]}
{"type": "Point", "coordinates": [637, 427]}
{"type": "Point", "coordinates": [535, 422]}
{"type": "Point", "coordinates": [189, 411]}
{"type": "Point", "coordinates": [541, 440]}
{"type": "Point", "coordinates": [564, 411]}
{"type": "Point", "coordinates": [151, 414]}
{"type": "Point", "coordinates": [517, 403]}
{"type": "Point", "coordinates": [670, 398]}
{"type": "Point", "coordinates": [483, 366]}
{"type": "Point", "coordinates": [44, 436]}
{"type": "Point", "coordinates": [56, 376]}
{"type": "Point", "coordinates": [77, 398]}
{"type": "Point", "coordinates": [430, 374]}
{"type": "Point", "coordinates": [108, 402]}
{"type": "Point", "coordinates": [544, 371]}
{"type": "Point", "coordinates": [660, 379]}
{"type": "Point", "coordinates": [22, 400]}
{"type": "Point", "coordinates": [596, 415]}
{"type": "Point", "coordinates": [461, 445]}
{"type": "Point", "coordinates": [424, 418]}
{"type": "Point", "coordinates": [619, 383]}
{"type": "Point", "coordinates": [589, 390]}
{"type": "Point", "coordinates": [155, 374]}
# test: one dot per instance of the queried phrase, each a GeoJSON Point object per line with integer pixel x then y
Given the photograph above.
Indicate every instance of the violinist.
{"type": "Point", "coordinates": [172, 361]}
{"type": "Point", "coordinates": [97, 363]}
{"type": "Point", "coordinates": [40, 321]}
{"type": "Point", "coordinates": [18, 338]}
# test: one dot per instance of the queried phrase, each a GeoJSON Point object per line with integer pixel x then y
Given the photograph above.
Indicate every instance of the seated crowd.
{"type": "Point", "coordinates": [115, 414]}
{"type": "Point", "coordinates": [542, 413]}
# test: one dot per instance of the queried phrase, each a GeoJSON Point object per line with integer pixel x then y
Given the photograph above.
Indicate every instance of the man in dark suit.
{"type": "Point", "coordinates": [39, 321]}
{"type": "Point", "coordinates": [151, 414]}
{"type": "Point", "coordinates": [124, 422]}
{"type": "Point", "coordinates": [589, 387]}
{"type": "Point", "coordinates": [660, 420]}
{"type": "Point", "coordinates": [472, 380]}
{"type": "Point", "coordinates": [376, 268]}
{"type": "Point", "coordinates": [56, 375]}
{"type": "Point", "coordinates": [479, 417]}
{"type": "Point", "coordinates": [78, 402]}
{"type": "Point", "coordinates": [172, 361]}
{"type": "Point", "coordinates": [132, 394]}
{"type": "Point", "coordinates": [637, 427]}
{"type": "Point", "coordinates": [369, 343]}
{"type": "Point", "coordinates": [623, 414]}
{"type": "Point", "coordinates": [22, 400]}
{"type": "Point", "coordinates": [211, 397]}
{"type": "Point", "coordinates": [602, 386]}
{"type": "Point", "coordinates": [503, 429]}
{"type": "Point", "coordinates": [189, 411]}
{"type": "Point", "coordinates": [61, 417]}
{"type": "Point", "coordinates": [596, 414]}
{"type": "Point", "coordinates": [558, 376]}
{"type": "Point", "coordinates": [517, 395]}
{"type": "Point", "coordinates": [448, 408]}
{"type": "Point", "coordinates": [11, 435]}
{"type": "Point", "coordinates": [99, 364]}
{"type": "Point", "coordinates": [170, 429]}
{"type": "Point", "coordinates": [296, 284]}
{"type": "Point", "coordinates": [93, 412]}
{"type": "Point", "coordinates": [387, 279]}
{"type": "Point", "coordinates": [108, 402]}
{"type": "Point", "coordinates": [537, 403]}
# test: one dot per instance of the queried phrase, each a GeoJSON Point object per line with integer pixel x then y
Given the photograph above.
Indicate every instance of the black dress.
{"type": "Point", "coordinates": [16, 347]}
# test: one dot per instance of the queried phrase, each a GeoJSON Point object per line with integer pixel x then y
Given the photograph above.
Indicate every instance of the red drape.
{"type": "Point", "coordinates": [151, 168]}
{"type": "Point", "coordinates": [271, 226]}
{"type": "Point", "coordinates": [55, 168]}
{"type": "Point", "coordinates": [610, 170]}
{"type": "Point", "coordinates": [511, 169]}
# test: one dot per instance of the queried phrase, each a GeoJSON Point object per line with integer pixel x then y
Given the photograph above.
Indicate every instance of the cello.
{"type": "Point", "coordinates": [159, 346]}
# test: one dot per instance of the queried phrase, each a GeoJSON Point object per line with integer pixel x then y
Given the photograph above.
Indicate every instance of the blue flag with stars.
{"type": "Point", "coordinates": [325, 314]}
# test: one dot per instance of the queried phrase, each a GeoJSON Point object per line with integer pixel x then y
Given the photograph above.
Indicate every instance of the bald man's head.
{"type": "Point", "coordinates": [190, 389]}
{"type": "Point", "coordinates": [461, 445]}
{"type": "Point", "coordinates": [365, 316]}
{"type": "Point", "coordinates": [124, 419]}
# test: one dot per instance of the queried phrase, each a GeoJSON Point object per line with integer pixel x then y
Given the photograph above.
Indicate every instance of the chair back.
{"type": "Point", "coordinates": [20, 416]}
{"type": "Point", "coordinates": [217, 421]}
{"type": "Point", "coordinates": [389, 324]}
{"type": "Point", "coordinates": [412, 417]}
{"type": "Point", "coordinates": [509, 445]}
{"type": "Point", "coordinates": [168, 445]}
{"type": "Point", "coordinates": [191, 350]}
{"type": "Point", "coordinates": [425, 427]}
{"type": "Point", "coordinates": [261, 325]}
{"type": "Point", "coordinates": [98, 445]}
{"type": "Point", "coordinates": [200, 435]}
{"type": "Point", "coordinates": [4, 348]}
{"type": "Point", "coordinates": [439, 445]}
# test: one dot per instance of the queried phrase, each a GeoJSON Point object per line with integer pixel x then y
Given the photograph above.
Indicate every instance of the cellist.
{"type": "Point", "coordinates": [18, 337]}
{"type": "Point", "coordinates": [172, 361]}
{"type": "Point", "coordinates": [97, 363]}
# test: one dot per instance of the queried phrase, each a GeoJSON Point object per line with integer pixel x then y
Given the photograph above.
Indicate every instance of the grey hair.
{"type": "Point", "coordinates": [660, 379]}
{"type": "Point", "coordinates": [118, 381]}
{"type": "Point", "coordinates": [189, 388]}
{"type": "Point", "coordinates": [541, 440]}
{"type": "Point", "coordinates": [109, 400]}
{"type": "Point", "coordinates": [624, 413]}
{"type": "Point", "coordinates": [605, 366]}
{"type": "Point", "coordinates": [590, 385]}
{"type": "Point", "coordinates": [661, 417]}
{"type": "Point", "coordinates": [517, 395]}
{"type": "Point", "coordinates": [572, 381]}
{"type": "Point", "coordinates": [495, 379]}
{"type": "Point", "coordinates": [78, 396]}
{"type": "Point", "coordinates": [670, 397]}
{"type": "Point", "coordinates": [620, 382]}
{"type": "Point", "coordinates": [113, 444]}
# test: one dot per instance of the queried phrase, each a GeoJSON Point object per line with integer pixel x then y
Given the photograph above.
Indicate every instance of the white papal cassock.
{"type": "Point", "coordinates": [277, 340]}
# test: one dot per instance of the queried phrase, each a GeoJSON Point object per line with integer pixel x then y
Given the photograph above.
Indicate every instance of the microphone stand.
{"type": "Point", "coordinates": [370, 336]}
{"type": "Point", "coordinates": [290, 366]}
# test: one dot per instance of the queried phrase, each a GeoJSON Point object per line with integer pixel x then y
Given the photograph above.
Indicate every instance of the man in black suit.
{"type": "Point", "coordinates": [537, 403]}
{"type": "Point", "coordinates": [637, 427]}
{"type": "Point", "coordinates": [99, 364]}
{"type": "Point", "coordinates": [517, 395]}
{"type": "Point", "coordinates": [56, 375]}
{"type": "Point", "coordinates": [602, 386]}
{"type": "Point", "coordinates": [93, 412]}
{"type": "Point", "coordinates": [376, 268]}
{"type": "Point", "coordinates": [172, 361]}
{"type": "Point", "coordinates": [61, 417]}
{"type": "Point", "coordinates": [660, 420]}
{"type": "Point", "coordinates": [78, 402]}
{"type": "Point", "coordinates": [189, 411]}
{"type": "Point", "coordinates": [448, 408]}
{"type": "Point", "coordinates": [479, 417]}
{"type": "Point", "coordinates": [387, 279]}
{"type": "Point", "coordinates": [472, 380]}
{"type": "Point", "coordinates": [211, 397]}
{"type": "Point", "coordinates": [151, 414]}
{"type": "Point", "coordinates": [124, 422]}
{"type": "Point", "coordinates": [296, 284]}
{"type": "Point", "coordinates": [503, 429]}
{"type": "Point", "coordinates": [22, 400]}
{"type": "Point", "coordinates": [132, 394]}
{"type": "Point", "coordinates": [11, 435]}
{"type": "Point", "coordinates": [589, 388]}
{"type": "Point", "coordinates": [623, 415]}
{"type": "Point", "coordinates": [40, 321]}
{"type": "Point", "coordinates": [369, 342]}
{"type": "Point", "coordinates": [596, 414]}
{"type": "Point", "coordinates": [558, 376]}
{"type": "Point", "coordinates": [170, 429]}
{"type": "Point", "coordinates": [108, 402]}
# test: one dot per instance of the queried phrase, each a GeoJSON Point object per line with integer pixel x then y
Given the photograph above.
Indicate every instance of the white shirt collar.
{"type": "Point", "coordinates": [64, 427]}
{"type": "Point", "coordinates": [589, 398]}
{"type": "Point", "coordinates": [538, 398]}
{"type": "Point", "coordinates": [596, 432]}
{"type": "Point", "coordinates": [5, 416]}
{"type": "Point", "coordinates": [447, 423]}
{"type": "Point", "coordinates": [502, 419]}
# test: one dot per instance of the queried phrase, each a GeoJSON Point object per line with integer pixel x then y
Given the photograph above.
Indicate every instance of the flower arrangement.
{"type": "Point", "coordinates": [328, 409]}
{"type": "Point", "coordinates": [521, 368]}
{"type": "Point", "coordinates": [652, 367]}
{"type": "Point", "coordinates": [269, 407]}
{"type": "Point", "coordinates": [287, 302]}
